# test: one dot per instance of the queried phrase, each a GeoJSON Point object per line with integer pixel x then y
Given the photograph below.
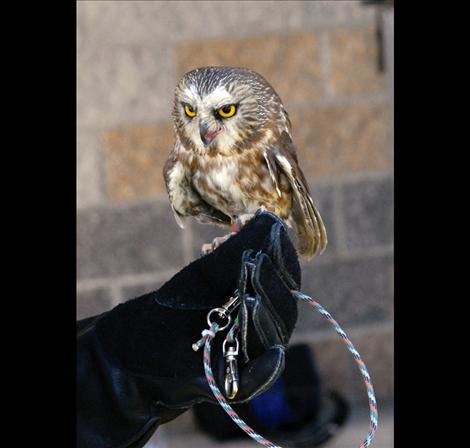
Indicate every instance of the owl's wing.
{"type": "Point", "coordinates": [184, 199]}
{"type": "Point", "coordinates": [171, 177]}
{"type": "Point", "coordinates": [311, 232]}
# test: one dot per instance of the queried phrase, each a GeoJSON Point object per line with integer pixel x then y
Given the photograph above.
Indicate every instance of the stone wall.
{"type": "Point", "coordinates": [332, 64]}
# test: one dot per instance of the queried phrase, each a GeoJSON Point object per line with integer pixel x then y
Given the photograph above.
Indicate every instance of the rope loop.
{"type": "Point", "coordinates": [208, 336]}
{"type": "Point", "coordinates": [207, 333]}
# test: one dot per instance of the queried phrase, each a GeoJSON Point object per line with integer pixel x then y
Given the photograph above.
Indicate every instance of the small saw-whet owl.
{"type": "Point", "coordinates": [234, 154]}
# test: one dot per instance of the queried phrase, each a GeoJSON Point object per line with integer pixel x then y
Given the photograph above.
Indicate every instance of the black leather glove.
{"type": "Point", "coordinates": [136, 365]}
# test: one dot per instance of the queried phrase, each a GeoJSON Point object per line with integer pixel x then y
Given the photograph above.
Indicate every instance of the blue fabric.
{"type": "Point", "coordinates": [272, 408]}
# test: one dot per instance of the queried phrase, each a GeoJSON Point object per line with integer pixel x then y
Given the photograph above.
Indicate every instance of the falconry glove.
{"type": "Point", "coordinates": [136, 366]}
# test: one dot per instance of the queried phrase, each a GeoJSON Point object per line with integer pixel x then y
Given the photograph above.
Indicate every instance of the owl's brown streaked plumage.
{"type": "Point", "coordinates": [234, 154]}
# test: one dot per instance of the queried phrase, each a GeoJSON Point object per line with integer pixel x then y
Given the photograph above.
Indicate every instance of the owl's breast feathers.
{"type": "Point", "coordinates": [237, 184]}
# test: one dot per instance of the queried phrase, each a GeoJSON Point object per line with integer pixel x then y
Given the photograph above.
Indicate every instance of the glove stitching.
{"type": "Point", "coordinates": [259, 328]}
{"type": "Point", "coordinates": [267, 302]}
{"type": "Point", "coordinates": [278, 259]}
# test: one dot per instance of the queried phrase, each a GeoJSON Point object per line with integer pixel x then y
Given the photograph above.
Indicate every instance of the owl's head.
{"type": "Point", "coordinates": [222, 109]}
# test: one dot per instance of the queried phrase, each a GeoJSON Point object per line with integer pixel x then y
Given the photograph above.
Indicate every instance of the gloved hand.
{"type": "Point", "coordinates": [136, 365]}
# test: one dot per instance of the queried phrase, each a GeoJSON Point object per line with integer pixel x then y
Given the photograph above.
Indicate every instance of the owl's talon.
{"type": "Point", "coordinates": [206, 249]}
{"type": "Point", "coordinates": [216, 242]}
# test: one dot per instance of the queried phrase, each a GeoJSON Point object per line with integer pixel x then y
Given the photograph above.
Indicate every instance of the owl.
{"type": "Point", "coordinates": [234, 154]}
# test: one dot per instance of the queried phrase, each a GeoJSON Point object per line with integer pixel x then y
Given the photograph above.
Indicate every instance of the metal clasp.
{"type": "Point", "coordinates": [231, 369]}
{"type": "Point", "coordinates": [225, 311]}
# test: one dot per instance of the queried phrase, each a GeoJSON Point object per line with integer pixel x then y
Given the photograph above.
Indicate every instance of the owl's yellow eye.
{"type": "Point", "coordinates": [227, 111]}
{"type": "Point", "coordinates": [189, 111]}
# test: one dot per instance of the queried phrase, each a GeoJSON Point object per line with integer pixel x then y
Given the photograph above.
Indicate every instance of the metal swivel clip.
{"type": "Point", "coordinates": [231, 368]}
{"type": "Point", "coordinates": [230, 346]}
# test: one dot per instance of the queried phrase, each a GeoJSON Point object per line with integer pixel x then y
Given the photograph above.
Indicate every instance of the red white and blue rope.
{"type": "Point", "coordinates": [374, 417]}
{"type": "Point", "coordinates": [208, 336]}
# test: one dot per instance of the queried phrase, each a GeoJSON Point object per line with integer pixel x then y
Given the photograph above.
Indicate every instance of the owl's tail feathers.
{"type": "Point", "coordinates": [311, 233]}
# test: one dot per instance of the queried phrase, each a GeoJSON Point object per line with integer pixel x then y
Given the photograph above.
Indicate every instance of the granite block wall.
{"type": "Point", "coordinates": [332, 64]}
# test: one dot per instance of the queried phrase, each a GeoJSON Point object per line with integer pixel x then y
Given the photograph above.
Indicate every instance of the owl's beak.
{"type": "Point", "coordinates": [206, 135]}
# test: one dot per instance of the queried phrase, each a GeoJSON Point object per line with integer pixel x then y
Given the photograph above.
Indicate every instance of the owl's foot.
{"type": "Point", "coordinates": [240, 221]}
{"type": "Point", "coordinates": [216, 242]}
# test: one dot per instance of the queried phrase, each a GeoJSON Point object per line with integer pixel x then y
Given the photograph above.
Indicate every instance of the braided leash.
{"type": "Point", "coordinates": [208, 336]}
{"type": "Point", "coordinates": [362, 367]}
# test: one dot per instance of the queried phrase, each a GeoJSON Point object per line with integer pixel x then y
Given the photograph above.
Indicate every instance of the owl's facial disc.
{"type": "Point", "coordinates": [214, 119]}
